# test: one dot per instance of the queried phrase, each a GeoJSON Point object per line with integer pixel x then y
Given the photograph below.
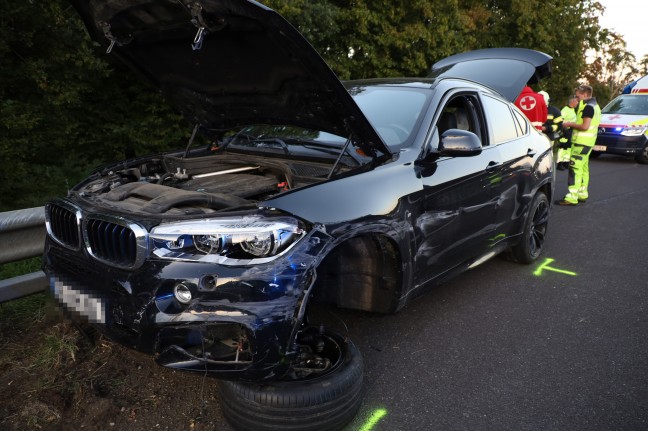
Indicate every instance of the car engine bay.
{"type": "Point", "coordinates": [172, 185]}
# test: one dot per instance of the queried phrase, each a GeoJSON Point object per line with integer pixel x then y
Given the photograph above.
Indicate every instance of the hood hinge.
{"type": "Point", "coordinates": [196, 10]}
{"type": "Point", "coordinates": [105, 27]}
{"type": "Point", "coordinates": [106, 31]}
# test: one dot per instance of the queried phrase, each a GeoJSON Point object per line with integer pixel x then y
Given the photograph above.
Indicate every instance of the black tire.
{"type": "Point", "coordinates": [326, 402]}
{"type": "Point", "coordinates": [595, 154]}
{"type": "Point", "coordinates": [535, 228]}
{"type": "Point", "coordinates": [642, 157]}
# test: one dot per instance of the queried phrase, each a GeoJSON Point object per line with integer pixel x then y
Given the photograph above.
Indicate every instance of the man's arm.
{"type": "Point", "coordinates": [588, 114]}
{"type": "Point", "coordinates": [583, 126]}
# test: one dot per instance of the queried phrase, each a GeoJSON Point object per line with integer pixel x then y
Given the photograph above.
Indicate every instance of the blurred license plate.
{"type": "Point", "coordinates": [76, 301]}
{"type": "Point", "coordinates": [600, 148]}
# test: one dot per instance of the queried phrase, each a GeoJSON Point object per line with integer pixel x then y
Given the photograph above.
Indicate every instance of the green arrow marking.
{"type": "Point", "coordinates": [373, 420]}
{"type": "Point", "coordinates": [545, 265]}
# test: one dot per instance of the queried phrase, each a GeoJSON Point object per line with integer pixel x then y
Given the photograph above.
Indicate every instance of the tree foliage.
{"type": "Point", "coordinates": [373, 38]}
{"type": "Point", "coordinates": [612, 67]}
{"type": "Point", "coordinates": [65, 106]}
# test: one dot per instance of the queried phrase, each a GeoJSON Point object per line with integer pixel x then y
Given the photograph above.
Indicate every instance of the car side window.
{"type": "Point", "coordinates": [460, 113]}
{"type": "Point", "coordinates": [522, 122]}
{"type": "Point", "coordinates": [503, 126]}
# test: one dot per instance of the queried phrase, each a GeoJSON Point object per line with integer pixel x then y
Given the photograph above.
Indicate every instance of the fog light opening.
{"type": "Point", "coordinates": [208, 283]}
{"type": "Point", "coordinates": [182, 293]}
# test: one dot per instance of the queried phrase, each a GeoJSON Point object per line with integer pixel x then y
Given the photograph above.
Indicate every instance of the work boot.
{"type": "Point", "coordinates": [566, 203]}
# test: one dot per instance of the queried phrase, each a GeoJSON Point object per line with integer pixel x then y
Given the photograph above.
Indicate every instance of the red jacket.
{"type": "Point", "coordinates": [533, 106]}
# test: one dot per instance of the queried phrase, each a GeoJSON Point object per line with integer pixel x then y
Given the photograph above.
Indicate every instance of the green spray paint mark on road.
{"type": "Point", "coordinates": [373, 420]}
{"type": "Point", "coordinates": [545, 266]}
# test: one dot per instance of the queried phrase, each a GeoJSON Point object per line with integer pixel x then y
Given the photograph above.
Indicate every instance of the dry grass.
{"type": "Point", "coordinates": [55, 375]}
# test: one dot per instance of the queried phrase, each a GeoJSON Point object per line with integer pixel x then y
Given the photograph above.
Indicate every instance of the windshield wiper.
{"type": "Point", "coordinates": [279, 141]}
{"type": "Point", "coordinates": [253, 140]}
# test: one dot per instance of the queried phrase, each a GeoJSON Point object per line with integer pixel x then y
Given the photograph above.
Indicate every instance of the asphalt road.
{"type": "Point", "coordinates": [500, 348]}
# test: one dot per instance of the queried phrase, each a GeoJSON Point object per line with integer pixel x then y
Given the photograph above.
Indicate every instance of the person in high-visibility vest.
{"type": "Point", "coordinates": [564, 146]}
{"type": "Point", "coordinates": [585, 130]}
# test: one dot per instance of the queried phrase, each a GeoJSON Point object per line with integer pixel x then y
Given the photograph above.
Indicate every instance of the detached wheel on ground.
{"type": "Point", "coordinates": [535, 229]}
{"type": "Point", "coordinates": [322, 392]}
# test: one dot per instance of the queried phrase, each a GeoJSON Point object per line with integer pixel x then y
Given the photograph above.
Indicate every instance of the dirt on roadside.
{"type": "Point", "coordinates": [56, 376]}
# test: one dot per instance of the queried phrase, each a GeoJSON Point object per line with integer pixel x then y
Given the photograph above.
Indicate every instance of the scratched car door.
{"type": "Point", "coordinates": [459, 206]}
{"type": "Point", "coordinates": [511, 133]}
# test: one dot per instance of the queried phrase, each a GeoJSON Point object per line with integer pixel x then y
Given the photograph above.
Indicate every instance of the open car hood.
{"type": "Point", "coordinates": [505, 70]}
{"type": "Point", "coordinates": [229, 63]}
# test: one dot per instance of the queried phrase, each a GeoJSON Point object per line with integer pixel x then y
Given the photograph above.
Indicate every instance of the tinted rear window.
{"type": "Point", "coordinates": [500, 120]}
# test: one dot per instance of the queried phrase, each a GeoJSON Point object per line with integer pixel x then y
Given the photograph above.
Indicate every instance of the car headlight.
{"type": "Point", "coordinates": [634, 130]}
{"type": "Point", "coordinates": [226, 241]}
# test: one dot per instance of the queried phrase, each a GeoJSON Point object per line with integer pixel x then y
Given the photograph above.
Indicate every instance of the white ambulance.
{"type": "Point", "coordinates": [624, 125]}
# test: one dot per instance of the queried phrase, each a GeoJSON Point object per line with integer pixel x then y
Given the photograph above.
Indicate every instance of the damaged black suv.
{"type": "Point", "coordinates": [359, 194]}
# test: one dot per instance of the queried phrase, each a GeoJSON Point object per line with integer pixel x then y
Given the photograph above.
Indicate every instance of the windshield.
{"type": "Point", "coordinates": [628, 105]}
{"type": "Point", "coordinates": [394, 111]}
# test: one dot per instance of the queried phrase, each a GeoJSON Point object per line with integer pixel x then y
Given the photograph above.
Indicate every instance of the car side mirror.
{"type": "Point", "coordinates": [459, 143]}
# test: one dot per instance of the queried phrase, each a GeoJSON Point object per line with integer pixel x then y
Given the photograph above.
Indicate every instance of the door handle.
{"type": "Point", "coordinates": [531, 152]}
{"type": "Point", "coordinates": [493, 166]}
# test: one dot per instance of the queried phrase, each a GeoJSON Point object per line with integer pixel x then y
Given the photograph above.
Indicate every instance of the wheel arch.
{"type": "Point", "coordinates": [547, 189]}
{"type": "Point", "coordinates": [362, 272]}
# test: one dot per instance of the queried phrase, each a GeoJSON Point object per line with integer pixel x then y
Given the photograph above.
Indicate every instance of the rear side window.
{"type": "Point", "coordinates": [502, 125]}
{"type": "Point", "coordinates": [522, 122]}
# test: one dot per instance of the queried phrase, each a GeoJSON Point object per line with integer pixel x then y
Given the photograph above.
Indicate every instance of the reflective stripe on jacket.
{"type": "Point", "coordinates": [553, 125]}
{"type": "Point", "coordinates": [569, 114]}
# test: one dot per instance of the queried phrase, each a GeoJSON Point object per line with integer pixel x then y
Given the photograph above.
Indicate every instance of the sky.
{"type": "Point", "coordinates": [628, 18]}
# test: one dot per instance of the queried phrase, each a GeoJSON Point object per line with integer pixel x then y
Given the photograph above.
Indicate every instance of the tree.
{"type": "Point", "coordinates": [364, 39]}
{"type": "Point", "coordinates": [65, 106]}
{"type": "Point", "coordinates": [643, 66]}
{"type": "Point", "coordinates": [564, 29]}
{"type": "Point", "coordinates": [612, 67]}
{"type": "Point", "coordinates": [367, 39]}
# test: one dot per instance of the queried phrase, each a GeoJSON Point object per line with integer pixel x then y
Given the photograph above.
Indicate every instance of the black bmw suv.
{"type": "Point", "coordinates": [361, 194]}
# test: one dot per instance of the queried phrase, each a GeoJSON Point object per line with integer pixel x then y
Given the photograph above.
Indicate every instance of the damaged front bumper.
{"type": "Point", "coordinates": [234, 322]}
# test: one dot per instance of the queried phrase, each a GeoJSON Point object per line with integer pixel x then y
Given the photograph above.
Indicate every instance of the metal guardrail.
{"type": "Point", "coordinates": [22, 235]}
